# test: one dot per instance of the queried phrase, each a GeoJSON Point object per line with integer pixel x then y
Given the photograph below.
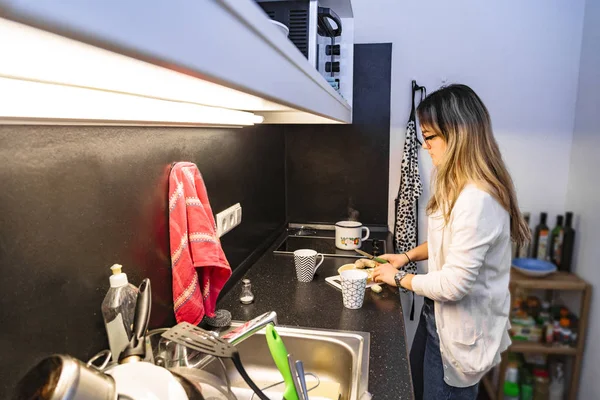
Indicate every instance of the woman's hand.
{"type": "Point", "coordinates": [385, 273]}
{"type": "Point", "coordinates": [397, 260]}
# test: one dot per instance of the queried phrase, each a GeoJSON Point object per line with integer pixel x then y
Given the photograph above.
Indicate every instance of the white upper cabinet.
{"type": "Point", "coordinates": [163, 62]}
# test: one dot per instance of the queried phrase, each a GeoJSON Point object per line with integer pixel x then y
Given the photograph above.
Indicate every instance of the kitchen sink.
{"type": "Point", "coordinates": [335, 357]}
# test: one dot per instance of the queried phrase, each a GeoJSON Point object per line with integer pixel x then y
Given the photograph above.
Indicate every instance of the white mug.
{"type": "Point", "coordinates": [306, 264]}
{"type": "Point", "coordinates": [354, 283]}
{"type": "Point", "coordinates": [348, 235]}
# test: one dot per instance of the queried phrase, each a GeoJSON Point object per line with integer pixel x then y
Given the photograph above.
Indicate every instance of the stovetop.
{"type": "Point", "coordinates": [326, 246]}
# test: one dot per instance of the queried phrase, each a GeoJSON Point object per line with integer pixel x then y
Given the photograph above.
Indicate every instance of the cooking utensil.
{"type": "Point", "coordinates": [61, 377]}
{"type": "Point", "coordinates": [198, 339]}
{"type": "Point", "coordinates": [192, 391]}
{"type": "Point", "coordinates": [302, 378]}
{"type": "Point", "coordinates": [280, 356]}
{"type": "Point", "coordinates": [137, 379]}
{"type": "Point", "coordinates": [370, 257]}
{"type": "Point", "coordinates": [143, 380]}
{"type": "Point", "coordinates": [295, 377]}
{"type": "Point", "coordinates": [212, 387]}
{"type": "Point", "coordinates": [136, 349]}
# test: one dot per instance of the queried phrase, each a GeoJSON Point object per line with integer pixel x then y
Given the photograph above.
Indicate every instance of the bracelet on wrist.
{"type": "Point", "coordinates": [409, 260]}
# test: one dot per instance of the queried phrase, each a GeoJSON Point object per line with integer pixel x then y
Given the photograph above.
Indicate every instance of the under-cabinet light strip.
{"type": "Point", "coordinates": [21, 100]}
{"type": "Point", "coordinates": [31, 54]}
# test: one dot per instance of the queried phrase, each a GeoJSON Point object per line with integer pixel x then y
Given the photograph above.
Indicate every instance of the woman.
{"type": "Point", "coordinates": [472, 216]}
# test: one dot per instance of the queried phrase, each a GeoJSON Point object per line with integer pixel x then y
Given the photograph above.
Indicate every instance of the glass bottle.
{"type": "Point", "coordinates": [525, 249]}
{"type": "Point", "coordinates": [541, 238]}
{"type": "Point", "coordinates": [568, 242]}
{"type": "Point", "coordinates": [556, 241]}
{"type": "Point", "coordinates": [246, 297]}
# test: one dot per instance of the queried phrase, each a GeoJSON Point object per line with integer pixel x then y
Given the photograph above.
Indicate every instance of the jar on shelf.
{"type": "Point", "coordinates": [541, 389]}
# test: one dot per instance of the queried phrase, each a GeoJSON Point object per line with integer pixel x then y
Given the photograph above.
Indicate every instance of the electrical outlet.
{"type": "Point", "coordinates": [229, 219]}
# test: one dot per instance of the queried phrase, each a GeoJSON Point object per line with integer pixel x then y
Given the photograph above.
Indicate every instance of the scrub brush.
{"type": "Point", "coordinates": [221, 319]}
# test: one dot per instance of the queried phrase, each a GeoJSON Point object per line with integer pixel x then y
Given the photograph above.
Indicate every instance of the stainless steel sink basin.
{"type": "Point", "coordinates": [333, 356]}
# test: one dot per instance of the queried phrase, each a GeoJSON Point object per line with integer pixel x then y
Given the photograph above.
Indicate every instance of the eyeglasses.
{"type": "Point", "coordinates": [426, 139]}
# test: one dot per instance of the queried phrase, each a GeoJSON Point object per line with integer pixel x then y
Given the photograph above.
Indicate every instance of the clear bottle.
{"type": "Point", "coordinates": [557, 385]}
{"type": "Point", "coordinates": [118, 309]}
{"type": "Point", "coordinates": [246, 297]}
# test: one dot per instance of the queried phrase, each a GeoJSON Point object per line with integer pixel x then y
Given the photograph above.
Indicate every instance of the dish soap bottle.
{"type": "Point", "coordinates": [118, 309]}
{"type": "Point", "coordinates": [540, 239]}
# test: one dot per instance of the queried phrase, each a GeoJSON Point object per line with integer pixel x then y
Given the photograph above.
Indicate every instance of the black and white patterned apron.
{"type": "Point", "coordinates": [411, 188]}
{"type": "Point", "coordinates": [406, 222]}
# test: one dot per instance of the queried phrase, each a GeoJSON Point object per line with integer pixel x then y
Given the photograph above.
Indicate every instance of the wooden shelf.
{"type": "Point", "coordinates": [555, 281]}
{"type": "Point", "coordinates": [541, 348]}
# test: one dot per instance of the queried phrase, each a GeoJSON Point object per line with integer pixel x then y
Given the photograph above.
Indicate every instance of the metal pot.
{"type": "Point", "coordinates": [61, 377]}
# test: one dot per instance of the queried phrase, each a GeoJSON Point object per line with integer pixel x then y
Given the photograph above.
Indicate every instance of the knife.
{"type": "Point", "coordinates": [302, 379]}
{"type": "Point", "coordinates": [370, 257]}
{"type": "Point", "coordinates": [296, 378]}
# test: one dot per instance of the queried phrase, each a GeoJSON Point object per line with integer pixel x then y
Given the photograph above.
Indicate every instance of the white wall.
{"type": "Point", "coordinates": [584, 189]}
{"type": "Point", "coordinates": [521, 57]}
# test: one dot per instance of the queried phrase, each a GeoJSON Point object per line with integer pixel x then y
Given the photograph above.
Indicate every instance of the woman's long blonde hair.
{"type": "Point", "coordinates": [458, 116]}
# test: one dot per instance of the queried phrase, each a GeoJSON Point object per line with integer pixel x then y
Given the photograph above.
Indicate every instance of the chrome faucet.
{"type": "Point", "coordinates": [244, 331]}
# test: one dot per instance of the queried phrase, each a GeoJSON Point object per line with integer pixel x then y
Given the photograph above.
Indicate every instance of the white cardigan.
{"type": "Point", "coordinates": [469, 269]}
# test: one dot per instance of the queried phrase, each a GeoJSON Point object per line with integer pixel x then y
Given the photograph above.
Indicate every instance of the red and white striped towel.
{"type": "Point", "coordinates": [200, 268]}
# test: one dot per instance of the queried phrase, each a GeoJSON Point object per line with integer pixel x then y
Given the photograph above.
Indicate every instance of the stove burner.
{"type": "Point", "coordinates": [302, 231]}
{"type": "Point", "coordinates": [326, 246]}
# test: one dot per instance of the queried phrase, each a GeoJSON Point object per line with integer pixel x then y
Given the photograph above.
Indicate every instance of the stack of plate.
{"type": "Point", "coordinates": [533, 267]}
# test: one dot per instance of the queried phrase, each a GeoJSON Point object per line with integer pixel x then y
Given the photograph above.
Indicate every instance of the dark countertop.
{"type": "Point", "coordinates": [319, 305]}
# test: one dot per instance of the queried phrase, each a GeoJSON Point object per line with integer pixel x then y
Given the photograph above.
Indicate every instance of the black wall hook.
{"type": "Point", "coordinates": [416, 88]}
{"type": "Point", "coordinates": [423, 91]}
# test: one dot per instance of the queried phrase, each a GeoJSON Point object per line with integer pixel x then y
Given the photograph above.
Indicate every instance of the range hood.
{"type": "Point", "coordinates": [176, 62]}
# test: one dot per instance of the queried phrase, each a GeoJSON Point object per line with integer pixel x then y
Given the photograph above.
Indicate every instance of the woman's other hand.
{"type": "Point", "coordinates": [397, 260]}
